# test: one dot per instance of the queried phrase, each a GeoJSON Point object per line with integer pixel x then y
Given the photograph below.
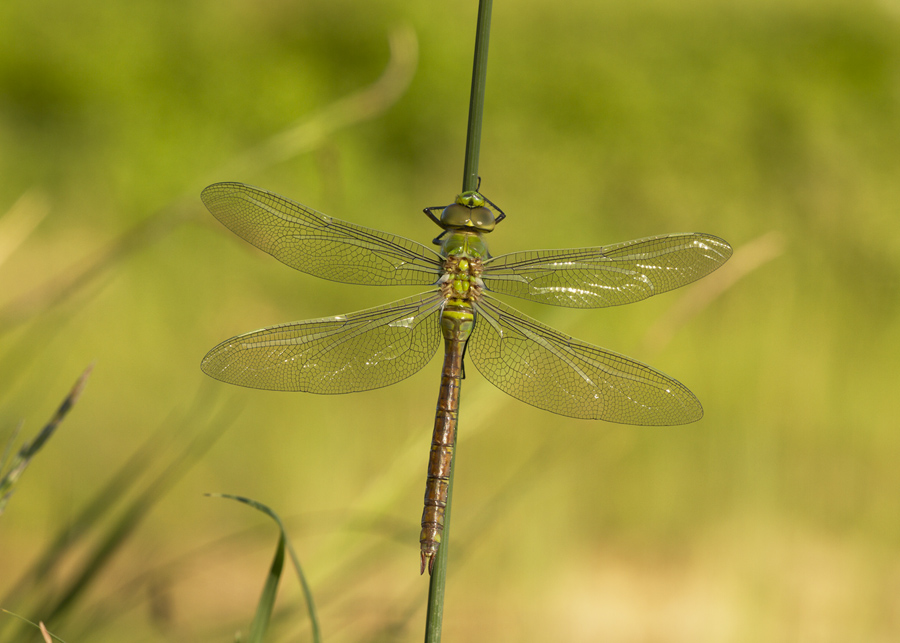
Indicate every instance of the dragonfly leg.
{"type": "Point", "coordinates": [430, 212]}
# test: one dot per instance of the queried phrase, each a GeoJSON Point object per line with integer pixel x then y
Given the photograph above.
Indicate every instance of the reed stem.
{"type": "Point", "coordinates": [435, 611]}
{"type": "Point", "coordinates": [476, 97]}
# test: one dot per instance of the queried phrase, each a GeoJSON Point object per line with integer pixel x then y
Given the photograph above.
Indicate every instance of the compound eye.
{"type": "Point", "coordinates": [456, 216]}
{"type": "Point", "coordinates": [461, 216]}
{"type": "Point", "coordinates": [482, 219]}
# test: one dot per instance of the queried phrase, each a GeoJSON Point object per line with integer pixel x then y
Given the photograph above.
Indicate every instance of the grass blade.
{"type": "Point", "coordinates": [267, 599]}
{"type": "Point", "coordinates": [266, 604]}
{"type": "Point", "coordinates": [29, 449]}
{"type": "Point", "coordinates": [53, 598]}
{"type": "Point", "coordinates": [45, 633]}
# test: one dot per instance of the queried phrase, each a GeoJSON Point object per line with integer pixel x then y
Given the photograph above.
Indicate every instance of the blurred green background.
{"type": "Point", "coordinates": [775, 125]}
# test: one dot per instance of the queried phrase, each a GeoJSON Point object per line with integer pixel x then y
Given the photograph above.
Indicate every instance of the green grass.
{"type": "Point", "coordinates": [773, 518]}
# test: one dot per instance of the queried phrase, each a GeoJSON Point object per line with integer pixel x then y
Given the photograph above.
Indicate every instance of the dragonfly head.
{"type": "Point", "coordinates": [472, 211]}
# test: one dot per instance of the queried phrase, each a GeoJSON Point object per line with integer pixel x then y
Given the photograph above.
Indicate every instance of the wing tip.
{"type": "Point", "coordinates": [216, 191]}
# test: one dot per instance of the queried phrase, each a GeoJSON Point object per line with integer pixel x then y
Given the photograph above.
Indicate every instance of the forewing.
{"type": "Point", "coordinates": [606, 275]}
{"type": "Point", "coordinates": [318, 244]}
{"type": "Point", "coordinates": [540, 366]}
{"type": "Point", "coordinates": [356, 352]}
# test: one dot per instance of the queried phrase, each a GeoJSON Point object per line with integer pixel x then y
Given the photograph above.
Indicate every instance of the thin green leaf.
{"type": "Point", "coordinates": [55, 602]}
{"type": "Point", "coordinates": [283, 542]}
{"type": "Point", "coordinates": [266, 605]}
{"type": "Point", "coordinates": [28, 450]}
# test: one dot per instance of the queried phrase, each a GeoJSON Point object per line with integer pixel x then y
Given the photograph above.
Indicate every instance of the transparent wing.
{"type": "Point", "coordinates": [318, 244]}
{"type": "Point", "coordinates": [543, 367]}
{"type": "Point", "coordinates": [357, 352]}
{"type": "Point", "coordinates": [606, 275]}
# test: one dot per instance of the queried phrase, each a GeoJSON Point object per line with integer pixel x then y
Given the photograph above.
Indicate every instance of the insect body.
{"type": "Point", "coordinates": [521, 356]}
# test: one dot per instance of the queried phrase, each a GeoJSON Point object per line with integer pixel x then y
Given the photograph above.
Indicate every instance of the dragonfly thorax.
{"type": "Point", "coordinates": [462, 278]}
{"type": "Point", "coordinates": [463, 244]}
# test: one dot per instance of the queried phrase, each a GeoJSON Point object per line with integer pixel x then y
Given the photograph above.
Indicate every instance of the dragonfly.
{"type": "Point", "coordinates": [521, 356]}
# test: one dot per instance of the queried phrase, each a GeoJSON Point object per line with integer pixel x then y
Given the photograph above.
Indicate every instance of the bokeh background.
{"type": "Point", "coordinates": [775, 125]}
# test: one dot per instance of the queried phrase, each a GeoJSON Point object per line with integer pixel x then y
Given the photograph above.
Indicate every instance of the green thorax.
{"type": "Point", "coordinates": [464, 250]}
{"type": "Point", "coordinates": [461, 284]}
{"type": "Point", "coordinates": [464, 244]}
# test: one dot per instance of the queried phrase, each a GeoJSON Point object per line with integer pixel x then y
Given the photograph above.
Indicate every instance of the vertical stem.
{"type": "Point", "coordinates": [435, 612]}
{"type": "Point", "coordinates": [476, 98]}
{"type": "Point", "coordinates": [435, 615]}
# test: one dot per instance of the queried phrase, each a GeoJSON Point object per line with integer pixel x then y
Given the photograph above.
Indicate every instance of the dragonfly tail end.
{"type": "Point", "coordinates": [427, 560]}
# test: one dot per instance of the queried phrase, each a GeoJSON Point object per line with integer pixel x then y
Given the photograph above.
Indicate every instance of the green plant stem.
{"type": "Point", "coordinates": [435, 611]}
{"type": "Point", "coordinates": [476, 98]}
{"type": "Point", "coordinates": [435, 614]}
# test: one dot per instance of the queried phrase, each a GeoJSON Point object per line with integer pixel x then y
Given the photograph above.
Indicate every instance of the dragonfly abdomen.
{"type": "Point", "coordinates": [457, 322]}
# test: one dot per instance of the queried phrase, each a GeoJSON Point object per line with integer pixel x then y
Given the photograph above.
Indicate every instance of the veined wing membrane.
{"type": "Point", "coordinates": [606, 275]}
{"type": "Point", "coordinates": [356, 352]}
{"type": "Point", "coordinates": [544, 368]}
{"type": "Point", "coordinates": [318, 244]}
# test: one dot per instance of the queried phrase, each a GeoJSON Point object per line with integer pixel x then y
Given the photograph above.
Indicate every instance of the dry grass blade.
{"type": "Point", "coordinates": [46, 635]}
